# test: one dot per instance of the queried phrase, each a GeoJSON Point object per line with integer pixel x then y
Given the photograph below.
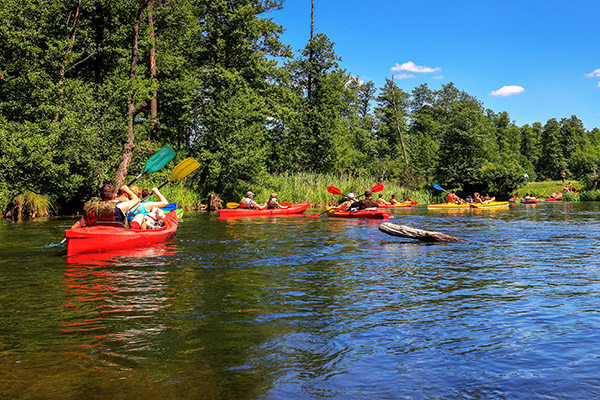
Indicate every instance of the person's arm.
{"type": "Point", "coordinates": [260, 207]}
{"type": "Point", "coordinates": [162, 201]}
{"type": "Point", "coordinates": [78, 224]}
{"type": "Point", "coordinates": [129, 204]}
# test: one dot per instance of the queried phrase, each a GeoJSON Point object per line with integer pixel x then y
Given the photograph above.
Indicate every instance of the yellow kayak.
{"type": "Point", "coordinates": [468, 206]}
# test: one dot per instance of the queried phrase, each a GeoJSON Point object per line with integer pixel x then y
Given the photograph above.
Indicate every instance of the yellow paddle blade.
{"type": "Point", "coordinates": [233, 205]}
{"type": "Point", "coordinates": [184, 168]}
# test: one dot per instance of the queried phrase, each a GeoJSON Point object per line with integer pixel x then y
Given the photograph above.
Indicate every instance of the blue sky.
{"type": "Point", "coordinates": [534, 59]}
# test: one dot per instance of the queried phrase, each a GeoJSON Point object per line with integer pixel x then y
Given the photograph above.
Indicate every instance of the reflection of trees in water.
{"type": "Point", "coordinates": [113, 299]}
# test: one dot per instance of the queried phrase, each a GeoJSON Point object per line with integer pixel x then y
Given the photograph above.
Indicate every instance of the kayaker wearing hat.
{"type": "Point", "coordinates": [273, 203]}
{"type": "Point", "coordinates": [348, 200]}
{"type": "Point", "coordinates": [367, 203]}
{"type": "Point", "coordinates": [248, 202]}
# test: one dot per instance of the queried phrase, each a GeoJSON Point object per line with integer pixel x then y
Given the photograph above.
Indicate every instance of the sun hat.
{"type": "Point", "coordinates": [249, 194]}
{"type": "Point", "coordinates": [351, 195]}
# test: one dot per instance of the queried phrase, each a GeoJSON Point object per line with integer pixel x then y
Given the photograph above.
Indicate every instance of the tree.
{"type": "Point", "coordinates": [552, 160]}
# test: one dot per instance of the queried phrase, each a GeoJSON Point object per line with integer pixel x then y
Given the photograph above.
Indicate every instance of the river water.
{"type": "Point", "coordinates": [304, 308]}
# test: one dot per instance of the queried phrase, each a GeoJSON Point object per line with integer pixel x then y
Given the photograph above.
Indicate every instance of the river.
{"type": "Point", "coordinates": [305, 308]}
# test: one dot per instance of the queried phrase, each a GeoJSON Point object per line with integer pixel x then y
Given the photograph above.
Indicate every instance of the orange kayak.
{"type": "Point", "coordinates": [404, 204]}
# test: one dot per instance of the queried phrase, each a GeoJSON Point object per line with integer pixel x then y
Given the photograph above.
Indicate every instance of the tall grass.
{"type": "Point", "coordinates": [312, 187]}
{"type": "Point", "coordinates": [30, 204]}
{"type": "Point", "coordinates": [590, 195]}
{"type": "Point", "coordinates": [544, 189]}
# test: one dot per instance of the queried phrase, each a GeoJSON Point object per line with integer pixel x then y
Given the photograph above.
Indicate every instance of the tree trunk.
{"type": "Point", "coordinates": [397, 123]}
{"type": "Point", "coordinates": [154, 101]}
{"type": "Point", "coordinates": [69, 49]}
{"type": "Point", "coordinates": [412, 233]}
{"type": "Point", "coordinates": [132, 110]}
{"type": "Point", "coordinates": [310, 51]}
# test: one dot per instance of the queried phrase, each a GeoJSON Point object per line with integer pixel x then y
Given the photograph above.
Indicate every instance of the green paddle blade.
{"type": "Point", "coordinates": [159, 159]}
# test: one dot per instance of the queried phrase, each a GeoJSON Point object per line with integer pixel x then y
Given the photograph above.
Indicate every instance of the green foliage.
{"type": "Point", "coordinates": [588, 195]}
{"type": "Point", "coordinates": [501, 179]}
{"type": "Point", "coordinates": [235, 97]}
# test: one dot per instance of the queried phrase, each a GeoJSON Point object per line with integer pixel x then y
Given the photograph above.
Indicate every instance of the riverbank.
{"type": "Point", "coordinates": [312, 188]}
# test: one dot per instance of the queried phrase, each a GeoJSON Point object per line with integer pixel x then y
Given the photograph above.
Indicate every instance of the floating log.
{"type": "Point", "coordinates": [412, 233]}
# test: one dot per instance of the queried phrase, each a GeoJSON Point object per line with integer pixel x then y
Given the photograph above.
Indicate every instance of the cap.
{"type": "Point", "coordinates": [273, 194]}
{"type": "Point", "coordinates": [351, 195]}
{"type": "Point", "coordinates": [368, 193]}
{"type": "Point", "coordinates": [249, 194]}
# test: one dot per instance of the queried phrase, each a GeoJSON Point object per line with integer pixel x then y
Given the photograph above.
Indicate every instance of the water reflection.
{"type": "Point", "coordinates": [117, 295]}
{"type": "Point", "coordinates": [316, 308]}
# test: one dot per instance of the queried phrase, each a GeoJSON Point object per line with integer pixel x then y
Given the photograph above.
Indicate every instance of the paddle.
{"type": "Point", "coordinates": [156, 162]}
{"type": "Point", "coordinates": [438, 187]}
{"type": "Point", "coordinates": [334, 190]}
{"type": "Point", "coordinates": [180, 171]}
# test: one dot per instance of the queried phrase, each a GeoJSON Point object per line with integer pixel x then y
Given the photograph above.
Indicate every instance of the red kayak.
{"type": "Point", "coordinates": [252, 212]}
{"type": "Point", "coordinates": [530, 201]}
{"type": "Point", "coordinates": [107, 237]}
{"type": "Point", "coordinates": [371, 214]}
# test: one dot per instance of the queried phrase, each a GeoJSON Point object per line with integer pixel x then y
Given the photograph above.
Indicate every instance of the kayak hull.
{"type": "Point", "coordinates": [469, 206]}
{"type": "Point", "coordinates": [103, 237]}
{"type": "Point", "coordinates": [368, 214]}
{"type": "Point", "coordinates": [404, 204]}
{"type": "Point", "coordinates": [249, 212]}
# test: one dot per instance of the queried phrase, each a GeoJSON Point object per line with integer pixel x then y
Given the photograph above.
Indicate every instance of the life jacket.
{"type": "Point", "coordinates": [99, 210]}
{"type": "Point", "coordinates": [245, 202]}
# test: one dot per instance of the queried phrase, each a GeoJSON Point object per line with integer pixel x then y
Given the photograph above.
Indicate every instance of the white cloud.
{"type": "Point", "coordinates": [439, 77]}
{"type": "Point", "coordinates": [598, 84]}
{"type": "Point", "coordinates": [404, 76]}
{"type": "Point", "coordinates": [594, 73]}
{"type": "Point", "coordinates": [411, 67]}
{"type": "Point", "coordinates": [508, 91]}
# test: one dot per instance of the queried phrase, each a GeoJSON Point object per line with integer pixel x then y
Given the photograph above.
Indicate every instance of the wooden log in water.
{"type": "Point", "coordinates": [412, 233]}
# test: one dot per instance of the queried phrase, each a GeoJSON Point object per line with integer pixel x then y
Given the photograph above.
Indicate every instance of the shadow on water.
{"type": "Point", "coordinates": [297, 307]}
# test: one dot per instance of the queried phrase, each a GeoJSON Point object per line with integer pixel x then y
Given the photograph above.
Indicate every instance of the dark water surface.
{"type": "Point", "coordinates": [302, 308]}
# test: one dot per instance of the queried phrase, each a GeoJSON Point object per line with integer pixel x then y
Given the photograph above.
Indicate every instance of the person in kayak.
{"type": "Point", "coordinates": [453, 198]}
{"type": "Point", "coordinates": [365, 204]}
{"type": "Point", "coordinates": [137, 215]}
{"type": "Point", "coordinates": [346, 202]}
{"type": "Point", "coordinates": [273, 203]}
{"type": "Point", "coordinates": [248, 202]}
{"type": "Point", "coordinates": [108, 208]}
{"type": "Point", "coordinates": [393, 200]}
{"type": "Point", "coordinates": [381, 201]}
